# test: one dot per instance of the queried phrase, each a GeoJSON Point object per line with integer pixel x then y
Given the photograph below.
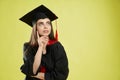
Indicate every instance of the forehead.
{"type": "Point", "coordinates": [43, 20]}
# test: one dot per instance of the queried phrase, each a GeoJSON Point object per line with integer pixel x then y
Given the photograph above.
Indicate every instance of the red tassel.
{"type": "Point", "coordinates": [56, 35]}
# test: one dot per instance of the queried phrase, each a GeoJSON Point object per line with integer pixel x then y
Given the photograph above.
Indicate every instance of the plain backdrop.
{"type": "Point", "coordinates": [88, 29]}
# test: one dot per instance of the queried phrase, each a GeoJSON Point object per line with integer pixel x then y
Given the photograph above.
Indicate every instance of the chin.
{"type": "Point", "coordinates": [45, 34]}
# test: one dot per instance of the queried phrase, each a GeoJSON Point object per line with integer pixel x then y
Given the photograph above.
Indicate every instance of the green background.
{"type": "Point", "coordinates": [88, 29]}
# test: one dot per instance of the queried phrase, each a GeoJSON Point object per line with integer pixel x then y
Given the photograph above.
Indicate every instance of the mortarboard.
{"type": "Point", "coordinates": [40, 12]}
{"type": "Point", "coordinates": [37, 13]}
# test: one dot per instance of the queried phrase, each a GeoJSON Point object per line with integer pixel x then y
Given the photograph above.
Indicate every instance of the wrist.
{"type": "Point", "coordinates": [40, 47]}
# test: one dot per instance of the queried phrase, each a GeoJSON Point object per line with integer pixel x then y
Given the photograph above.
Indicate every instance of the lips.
{"type": "Point", "coordinates": [45, 31]}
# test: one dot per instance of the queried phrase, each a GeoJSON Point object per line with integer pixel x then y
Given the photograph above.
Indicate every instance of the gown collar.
{"type": "Point", "coordinates": [50, 42]}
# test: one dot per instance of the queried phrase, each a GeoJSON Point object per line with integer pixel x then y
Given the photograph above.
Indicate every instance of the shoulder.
{"type": "Point", "coordinates": [26, 44]}
{"type": "Point", "coordinates": [58, 48]}
{"type": "Point", "coordinates": [28, 50]}
{"type": "Point", "coordinates": [56, 45]}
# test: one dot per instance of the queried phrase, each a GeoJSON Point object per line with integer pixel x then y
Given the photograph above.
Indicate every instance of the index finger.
{"type": "Point", "coordinates": [38, 35]}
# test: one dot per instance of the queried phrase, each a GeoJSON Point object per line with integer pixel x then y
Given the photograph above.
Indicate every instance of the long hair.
{"type": "Point", "coordinates": [33, 40]}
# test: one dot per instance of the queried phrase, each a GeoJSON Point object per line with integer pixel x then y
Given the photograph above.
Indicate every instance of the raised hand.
{"type": "Point", "coordinates": [42, 41]}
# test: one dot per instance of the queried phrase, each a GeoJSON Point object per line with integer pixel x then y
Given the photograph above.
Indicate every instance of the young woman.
{"type": "Point", "coordinates": [44, 56]}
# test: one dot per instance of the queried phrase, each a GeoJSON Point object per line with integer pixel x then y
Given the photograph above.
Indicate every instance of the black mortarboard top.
{"type": "Point", "coordinates": [38, 13]}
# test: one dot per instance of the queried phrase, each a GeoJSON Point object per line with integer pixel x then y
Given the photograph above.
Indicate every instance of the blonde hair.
{"type": "Point", "coordinates": [33, 39]}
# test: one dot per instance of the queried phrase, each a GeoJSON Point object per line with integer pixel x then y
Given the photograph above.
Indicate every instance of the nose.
{"type": "Point", "coordinates": [45, 26]}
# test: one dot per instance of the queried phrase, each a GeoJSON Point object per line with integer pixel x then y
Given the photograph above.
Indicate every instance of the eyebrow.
{"type": "Point", "coordinates": [40, 23]}
{"type": "Point", "coordinates": [43, 22]}
{"type": "Point", "coordinates": [48, 22]}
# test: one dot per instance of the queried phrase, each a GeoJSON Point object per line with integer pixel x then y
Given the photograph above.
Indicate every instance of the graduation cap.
{"type": "Point", "coordinates": [40, 12]}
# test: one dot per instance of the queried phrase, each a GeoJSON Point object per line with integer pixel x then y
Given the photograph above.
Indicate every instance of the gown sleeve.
{"type": "Point", "coordinates": [61, 69]}
{"type": "Point", "coordinates": [27, 67]}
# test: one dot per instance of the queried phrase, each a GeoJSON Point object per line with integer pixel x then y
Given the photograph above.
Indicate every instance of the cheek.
{"type": "Point", "coordinates": [50, 29]}
{"type": "Point", "coordinates": [39, 30]}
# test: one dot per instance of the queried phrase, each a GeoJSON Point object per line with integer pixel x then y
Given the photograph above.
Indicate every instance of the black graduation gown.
{"type": "Point", "coordinates": [55, 61]}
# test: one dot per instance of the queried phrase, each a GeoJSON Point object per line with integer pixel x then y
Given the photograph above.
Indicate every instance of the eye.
{"type": "Point", "coordinates": [40, 24]}
{"type": "Point", "coordinates": [48, 22]}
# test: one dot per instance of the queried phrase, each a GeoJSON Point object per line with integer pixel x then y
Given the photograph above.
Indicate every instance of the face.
{"type": "Point", "coordinates": [44, 27]}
